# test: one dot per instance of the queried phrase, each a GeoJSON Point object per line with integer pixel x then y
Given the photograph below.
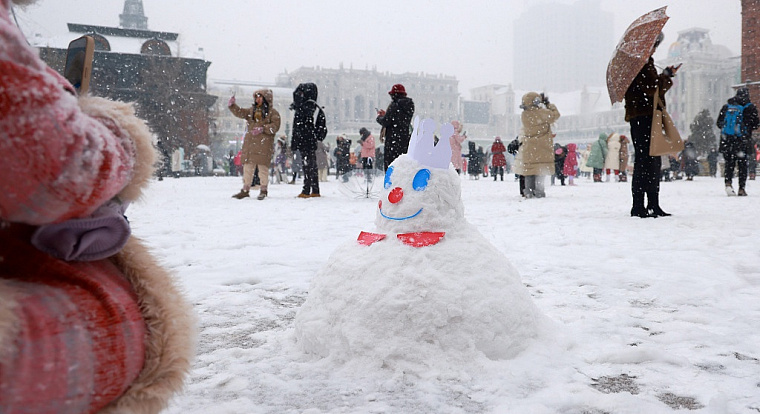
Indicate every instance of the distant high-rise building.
{"type": "Point", "coordinates": [133, 16]}
{"type": "Point", "coordinates": [562, 48]}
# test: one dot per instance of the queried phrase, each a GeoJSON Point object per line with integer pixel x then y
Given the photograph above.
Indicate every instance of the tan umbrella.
{"type": "Point", "coordinates": [633, 52]}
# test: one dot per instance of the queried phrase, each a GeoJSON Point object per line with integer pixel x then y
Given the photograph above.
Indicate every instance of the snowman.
{"type": "Point", "coordinates": [425, 287]}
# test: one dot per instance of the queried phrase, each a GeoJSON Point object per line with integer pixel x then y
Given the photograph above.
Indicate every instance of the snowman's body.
{"type": "Point", "coordinates": [425, 287]}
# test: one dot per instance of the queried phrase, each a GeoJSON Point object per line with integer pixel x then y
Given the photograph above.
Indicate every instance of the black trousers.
{"type": "Point", "coordinates": [646, 168]}
{"type": "Point", "coordinates": [736, 157]}
{"type": "Point", "coordinates": [310, 173]}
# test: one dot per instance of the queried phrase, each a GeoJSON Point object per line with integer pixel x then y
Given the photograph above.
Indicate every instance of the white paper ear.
{"type": "Point", "coordinates": [447, 130]}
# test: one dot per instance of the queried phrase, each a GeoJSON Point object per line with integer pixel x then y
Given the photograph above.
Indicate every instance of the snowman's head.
{"type": "Point", "coordinates": [421, 190]}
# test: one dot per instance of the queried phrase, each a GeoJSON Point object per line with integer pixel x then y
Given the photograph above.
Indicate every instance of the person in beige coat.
{"type": "Point", "coordinates": [612, 160]}
{"type": "Point", "coordinates": [624, 158]}
{"type": "Point", "coordinates": [263, 122]}
{"type": "Point", "coordinates": [536, 156]}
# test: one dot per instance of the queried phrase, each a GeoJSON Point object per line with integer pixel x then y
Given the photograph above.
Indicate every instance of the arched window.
{"type": "Point", "coordinates": [101, 43]}
{"type": "Point", "coordinates": [155, 47]}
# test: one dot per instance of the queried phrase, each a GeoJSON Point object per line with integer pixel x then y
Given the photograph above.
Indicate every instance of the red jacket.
{"type": "Point", "coordinates": [498, 149]}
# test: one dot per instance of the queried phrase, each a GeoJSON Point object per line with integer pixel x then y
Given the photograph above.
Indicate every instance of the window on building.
{"type": "Point", "coordinates": [101, 43]}
{"type": "Point", "coordinates": [155, 47]}
{"type": "Point", "coordinates": [359, 107]}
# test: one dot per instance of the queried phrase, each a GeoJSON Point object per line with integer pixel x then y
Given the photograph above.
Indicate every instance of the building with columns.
{"type": "Point", "coordinates": [351, 97]}
{"type": "Point", "coordinates": [705, 81]}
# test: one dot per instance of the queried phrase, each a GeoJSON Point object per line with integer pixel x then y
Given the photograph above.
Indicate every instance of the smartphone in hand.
{"type": "Point", "coordinates": [79, 63]}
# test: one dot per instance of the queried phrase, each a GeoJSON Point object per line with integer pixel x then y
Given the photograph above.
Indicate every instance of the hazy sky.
{"type": "Point", "coordinates": [256, 40]}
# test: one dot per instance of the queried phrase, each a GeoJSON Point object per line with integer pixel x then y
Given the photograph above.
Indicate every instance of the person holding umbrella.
{"type": "Point", "coordinates": [639, 99]}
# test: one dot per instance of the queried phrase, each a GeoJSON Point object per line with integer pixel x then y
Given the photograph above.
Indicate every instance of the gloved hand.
{"type": "Point", "coordinates": [257, 130]}
{"type": "Point", "coordinates": [544, 99]}
{"type": "Point", "coordinates": [231, 101]}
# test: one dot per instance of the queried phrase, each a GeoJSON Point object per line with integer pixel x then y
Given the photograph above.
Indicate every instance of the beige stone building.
{"type": "Point", "coordinates": [351, 97]}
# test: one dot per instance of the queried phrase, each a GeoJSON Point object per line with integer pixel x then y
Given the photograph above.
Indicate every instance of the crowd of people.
{"type": "Point", "coordinates": [532, 155]}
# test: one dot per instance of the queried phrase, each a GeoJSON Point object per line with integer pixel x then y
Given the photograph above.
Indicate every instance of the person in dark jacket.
{"type": "Point", "coordinates": [342, 153]}
{"type": "Point", "coordinates": [473, 161]}
{"type": "Point", "coordinates": [690, 161]}
{"type": "Point", "coordinates": [306, 133]}
{"type": "Point", "coordinates": [639, 106]}
{"type": "Point", "coordinates": [736, 147]}
{"type": "Point", "coordinates": [560, 153]}
{"type": "Point", "coordinates": [712, 161]}
{"type": "Point", "coordinates": [396, 124]}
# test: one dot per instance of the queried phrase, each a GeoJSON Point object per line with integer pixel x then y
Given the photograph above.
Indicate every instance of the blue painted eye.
{"type": "Point", "coordinates": [388, 173]}
{"type": "Point", "coordinates": [421, 179]}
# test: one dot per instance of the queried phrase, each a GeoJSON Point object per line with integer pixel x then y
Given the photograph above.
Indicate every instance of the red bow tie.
{"type": "Point", "coordinates": [419, 239]}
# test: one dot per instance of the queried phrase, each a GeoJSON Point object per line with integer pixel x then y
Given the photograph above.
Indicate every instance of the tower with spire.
{"type": "Point", "coordinates": [133, 16]}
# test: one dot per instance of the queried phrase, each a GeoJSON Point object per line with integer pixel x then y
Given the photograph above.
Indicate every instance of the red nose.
{"type": "Point", "coordinates": [396, 195]}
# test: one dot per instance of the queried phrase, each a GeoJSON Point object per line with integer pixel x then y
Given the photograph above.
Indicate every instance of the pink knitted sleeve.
{"type": "Point", "coordinates": [57, 162]}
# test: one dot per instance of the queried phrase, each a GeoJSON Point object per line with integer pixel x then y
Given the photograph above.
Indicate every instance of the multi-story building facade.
{"type": "Point", "coordinates": [562, 48]}
{"type": "Point", "coordinates": [705, 81]}
{"type": "Point", "coordinates": [351, 97]}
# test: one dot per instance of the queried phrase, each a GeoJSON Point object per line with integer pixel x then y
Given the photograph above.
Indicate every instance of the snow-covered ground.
{"type": "Point", "coordinates": [650, 315]}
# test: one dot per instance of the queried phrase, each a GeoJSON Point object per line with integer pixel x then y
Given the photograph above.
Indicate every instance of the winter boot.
{"type": "Point", "coordinates": [241, 195]}
{"type": "Point", "coordinates": [262, 195]}
{"type": "Point", "coordinates": [597, 178]}
{"type": "Point", "coordinates": [742, 193]}
{"type": "Point", "coordinates": [730, 190]}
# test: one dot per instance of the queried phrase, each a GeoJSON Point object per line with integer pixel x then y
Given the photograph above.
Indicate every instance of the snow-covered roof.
{"type": "Point", "coordinates": [119, 44]}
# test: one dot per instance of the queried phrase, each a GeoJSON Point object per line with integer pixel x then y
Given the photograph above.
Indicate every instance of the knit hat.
{"type": "Point", "coordinates": [397, 89]}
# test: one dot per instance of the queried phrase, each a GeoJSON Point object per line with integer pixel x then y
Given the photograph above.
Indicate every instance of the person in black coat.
{"type": "Point", "coordinates": [639, 107]}
{"type": "Point", "coordinates": [560, 153]}
{"type": "Point", "coordinates": [306, 133]}
{"type": "Point", "coordinates": [342, 153]}
{"type": "Point", "coordinates": [396, 124]}
{"type": "Point", "coordinates": [736, 147]}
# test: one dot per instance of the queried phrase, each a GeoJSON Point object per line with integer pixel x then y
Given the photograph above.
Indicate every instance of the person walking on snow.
{"type": "Point", "coordinates": [736, 140]}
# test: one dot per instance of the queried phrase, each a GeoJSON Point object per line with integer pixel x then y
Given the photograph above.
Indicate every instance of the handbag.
{"type": "Point", "coordinates": [665, 138]}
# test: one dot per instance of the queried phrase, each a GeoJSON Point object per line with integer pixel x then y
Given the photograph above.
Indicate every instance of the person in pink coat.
{"type": "Point", "coordinates": [456, 141]}
{"type": "Point", "coordinates": [570, 168]}
{"type": "Point", "coordinates": [89, 320]}
{"type": "Point", "coordinates": [367, 141]}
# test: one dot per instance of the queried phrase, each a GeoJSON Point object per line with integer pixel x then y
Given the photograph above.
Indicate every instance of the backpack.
{"type": "Point", "coordinates": [733, 121]}
{"type": "Point", "coordinates": [320, 127]}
